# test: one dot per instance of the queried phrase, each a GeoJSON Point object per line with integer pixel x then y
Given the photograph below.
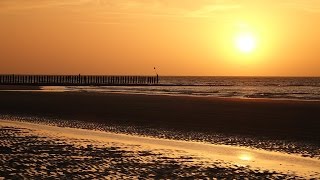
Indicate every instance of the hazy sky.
{"type": "Point", "coordinates": [179, 37]}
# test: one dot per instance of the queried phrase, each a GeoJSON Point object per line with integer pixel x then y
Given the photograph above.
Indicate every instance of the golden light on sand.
{"type": "Point", "coordinates": [245, 42]}
{"type": "Point", "coordinates": [245, 157]}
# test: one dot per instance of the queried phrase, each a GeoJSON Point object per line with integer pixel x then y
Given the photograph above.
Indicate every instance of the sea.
{"type": "Point", "coordinates": [294, 88]}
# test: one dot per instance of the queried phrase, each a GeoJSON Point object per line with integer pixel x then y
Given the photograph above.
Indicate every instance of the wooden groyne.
{"type": "Point", "coordinates": [77, 80]}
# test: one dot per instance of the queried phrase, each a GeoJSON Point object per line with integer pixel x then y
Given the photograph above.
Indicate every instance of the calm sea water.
{"type": "Point", "coordinates": [241, 87]}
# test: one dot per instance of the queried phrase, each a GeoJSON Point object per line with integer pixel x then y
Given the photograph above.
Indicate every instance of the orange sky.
{"type": "Point", "coordinates": [179, 37]}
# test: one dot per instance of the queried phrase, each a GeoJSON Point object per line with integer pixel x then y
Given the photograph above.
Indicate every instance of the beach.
{"type": "Point", "coordinates": [282, 119]}
{"type": "Point", "coordinates": [40, 151]}
{"type": "Point", "coordinates": [287, 127]}
{"type": "Point", "coordinates": [18, 87]}
{"type": "Point", "coordinates": [209, 89]}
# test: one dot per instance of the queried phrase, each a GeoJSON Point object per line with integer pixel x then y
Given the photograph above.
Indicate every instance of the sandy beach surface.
{"type": "Point", "coordinates": [30, 150]}
{"type": "Point", "coordinates": [149, 136]}
{"type": "Point", "coordinates": [277, 125]}
{"type": "Point", "coordinates": [16, 87]}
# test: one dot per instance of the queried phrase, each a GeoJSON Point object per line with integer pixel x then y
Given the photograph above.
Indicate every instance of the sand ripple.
{"type": "Point", "coordinates": [26, 154]}
{"type": "Point", "coordinates": [291, 147]}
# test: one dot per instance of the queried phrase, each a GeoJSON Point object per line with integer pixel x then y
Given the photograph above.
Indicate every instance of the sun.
{"type": "Point", "coordinates": [245, 42]}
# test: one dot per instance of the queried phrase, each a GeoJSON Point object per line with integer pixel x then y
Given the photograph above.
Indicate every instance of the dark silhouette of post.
{"type": "Point", "coordinates": [77, 80]}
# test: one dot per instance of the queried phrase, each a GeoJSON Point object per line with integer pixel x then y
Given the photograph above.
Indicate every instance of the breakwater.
{"type": "Point", "coordinates": [77, 80]}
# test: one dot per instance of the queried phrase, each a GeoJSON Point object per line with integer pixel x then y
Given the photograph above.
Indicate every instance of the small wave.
{"type": "Point", "coordinates": [283, 96]}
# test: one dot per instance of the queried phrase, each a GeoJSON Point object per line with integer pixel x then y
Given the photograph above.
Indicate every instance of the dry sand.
{"type": "Point", "coordinates": [39, 151]}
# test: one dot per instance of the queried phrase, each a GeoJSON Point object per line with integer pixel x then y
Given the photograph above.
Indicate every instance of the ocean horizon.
{"type": "Point", "coordinates": [292, 88]}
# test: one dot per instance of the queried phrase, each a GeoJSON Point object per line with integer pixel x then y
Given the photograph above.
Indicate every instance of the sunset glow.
{"type": "Point", "coordinates": [245, 42]}
{"type": "Point", "coordinates": [211, 38]}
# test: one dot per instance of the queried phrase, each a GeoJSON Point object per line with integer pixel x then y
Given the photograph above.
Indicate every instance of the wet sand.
{"type": "Point", "coordinates": [277, 125]}
{"type": "Point", "coordinates": [273, 118]}
{"type": "Point", "coordinates": [40, 151]}
{"type": "Point", "coordinates": [15, 87]}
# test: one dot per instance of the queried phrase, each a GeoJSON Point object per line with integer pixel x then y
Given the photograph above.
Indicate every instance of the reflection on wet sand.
{"type": "Point", "coordinates": [245, 157]}
{"type": "Point", "coordinates": [38, 151]}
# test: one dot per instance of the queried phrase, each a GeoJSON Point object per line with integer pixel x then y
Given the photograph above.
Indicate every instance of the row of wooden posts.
{"type": "Point", "coordinates": [78, 80]}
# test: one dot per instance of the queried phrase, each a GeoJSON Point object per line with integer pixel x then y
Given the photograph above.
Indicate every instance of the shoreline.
{"type": "Point", "coordinates": [27, 88]}
{"type": "Point", "coordinates": [190, 95]}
